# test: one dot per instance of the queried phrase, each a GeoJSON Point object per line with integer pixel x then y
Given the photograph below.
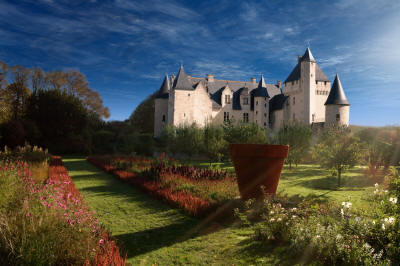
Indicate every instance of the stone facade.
{"type": "Point", "coordinates": [307, 97]}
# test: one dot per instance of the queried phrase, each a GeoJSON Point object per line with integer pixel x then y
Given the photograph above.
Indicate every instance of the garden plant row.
{"type": "Point", "coordinates": [199, 192]}
{"type": "Point", "coordinates": [49, 222]}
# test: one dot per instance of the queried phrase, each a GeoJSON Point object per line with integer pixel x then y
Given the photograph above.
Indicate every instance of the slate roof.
{"type": "Point", "coordinates": [295, 74]}
{"type": "Point", "coordinates": [163, 92]}
{"type": "Point", "coordinates": [182, 81]}
{"type": "Point", "coordinates": [337, 95]}
{"type": "Point", "coordinates": [277, 102]}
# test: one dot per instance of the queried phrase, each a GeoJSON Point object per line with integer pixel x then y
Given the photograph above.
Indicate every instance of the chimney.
{"type": "Point", "coordinates": [253, 80]}
{"type": "Point", "coordinates": [299, 58]}
{"type": "Point", "coordinates": [279, 84]}
{"type": "Point", "coordinates": [210, 77]}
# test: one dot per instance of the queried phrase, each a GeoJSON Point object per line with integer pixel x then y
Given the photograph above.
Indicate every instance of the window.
{"type": "Point", "coordinates": [316, 82]}
{"type": "Point", "coordinates": [292, 82]}
{"type": "Point", "coordinates": [294, 100]}
{"type": "Point", "coordinates": [245, 101]}
{"type": "Point", "coordinates": [256, 112]}
{"type": "Point", "coordinates": [256, 102]}
{"type": "Point", "coordinates": [227, 99]}
{"type": "Point", "coordinates": [246, 117]}
{"type": "Point", "coordinates": [325, 83]}
{"type": "Point", "coordinates": [226, 116]}
{"type": "Point", "coordinates": [294, 116]}
{"type": "Point", "coordinates": [188, 94]}
{"type": "Point", "coordinates": [265, 105]}
{"type": "Point", "coordinates": [265, 124]}
{"type": "Point", "coordinates": [337, 117]}
{"type": "Point", "coordinates": [163, 118]}
{"type": "Point", "coordinates": [265, 114]}
{"type": "Point", "coordinates": [313, 117]}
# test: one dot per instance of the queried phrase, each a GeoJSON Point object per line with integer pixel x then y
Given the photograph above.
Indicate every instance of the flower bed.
{"type": "Point", "coordinates": [197, 191]}
{"type": "Point", "coordinates": [49, 223]}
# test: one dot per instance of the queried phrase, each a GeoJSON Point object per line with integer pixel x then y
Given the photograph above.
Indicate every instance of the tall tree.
{"type": "Point", "coordinates": [338, 150]}
{"type": "Point", "coordinates": [142, 117]}
{"type": "Point", "coordinates": [298, 137]}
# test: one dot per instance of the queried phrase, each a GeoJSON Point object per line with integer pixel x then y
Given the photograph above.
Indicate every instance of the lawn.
{"type": "Point", "coordinates": [153, 233]}
{"type": "Point", "coordinates": [313, 181]}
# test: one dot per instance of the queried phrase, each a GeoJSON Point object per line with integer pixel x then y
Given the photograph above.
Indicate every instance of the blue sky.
{"type": "Point", "coordinates": [126, 47]}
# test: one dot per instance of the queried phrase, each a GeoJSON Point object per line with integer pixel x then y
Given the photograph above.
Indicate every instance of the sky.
{"type": "Point", "coordinates": [125, 47]}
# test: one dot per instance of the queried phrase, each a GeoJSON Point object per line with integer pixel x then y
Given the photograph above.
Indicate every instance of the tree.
{"type": "Point", "coordinates": [298, 137]}
{"type": "Point", "coordinates": [143, 116]}
{"type": "Point", "coordinates": [61, 119]}
{"type": "Point", "coordinates": [338, 150]}
{"type": "Point", "coordinates": [245, 133]}
{"type": "Point", "coordinates": [189, 139]}
{"type": "Point", "coordinates": [214, 142]}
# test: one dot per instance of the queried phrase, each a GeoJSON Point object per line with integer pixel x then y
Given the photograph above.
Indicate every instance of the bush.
{"type": "Point", "coordinates": [13, 134]}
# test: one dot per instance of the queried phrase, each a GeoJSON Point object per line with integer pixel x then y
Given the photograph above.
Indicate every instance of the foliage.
{"type": "Point", "coordinates": [337, 150]}
{"type": "Point", "coordinates": [298, 137]}
{"type": "Point", "coordinates": [142, 118]}
{"type": "Point", "coordinates": [245, 133]}
{"type": "Point", "coordinates": [62, 120]}
{"type": "Point", "coordinates": [215, 145]}
{"type": "Point", "coordinates": [13, 134]}
{"type": "Point", "coordinates": [48, 223]}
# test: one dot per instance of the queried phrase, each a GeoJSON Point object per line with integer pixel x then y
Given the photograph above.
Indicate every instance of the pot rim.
{"type": "Point", "coordinates": [238, 150]}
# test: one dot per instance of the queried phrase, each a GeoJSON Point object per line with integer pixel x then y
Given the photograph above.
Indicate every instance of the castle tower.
{"type": "Point", "coordinates": [161, 107]}
{"type": "Point", "coordinates": [261, 104]}
{"type": "Point", "coordinates": [337, 107]}
{"type": "Point", "coordinates": [307, 84]}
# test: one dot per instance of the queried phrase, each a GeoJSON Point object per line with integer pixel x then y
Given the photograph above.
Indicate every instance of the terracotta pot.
{"type": "Point", "coordinates": [258, 165]}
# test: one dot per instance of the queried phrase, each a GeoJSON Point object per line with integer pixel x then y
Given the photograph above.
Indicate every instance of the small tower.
{"type": "Point", "coordinates": [337, 107]}
{"type": "Point", "coordinates": [261, 104]}
{"type": "Point", "coordinates": [161, 107]}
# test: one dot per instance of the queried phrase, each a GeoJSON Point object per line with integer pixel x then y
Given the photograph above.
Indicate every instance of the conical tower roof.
{"type": "Point", "coordinates": [308, 55]}
{"type": "Point", "coordinates": [164, 89]}
{"type": "Point", "coordinates": [337, 95]}
{"type": "Point", "coordinates": [182, 81]}
{"type": "Point", "coordinates": [261, 90]}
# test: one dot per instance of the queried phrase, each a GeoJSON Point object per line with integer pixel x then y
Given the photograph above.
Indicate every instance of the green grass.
{"type": "Point", "coordinates": [315, 182]}
{"type": "Point", "coordinates": [152, 232]}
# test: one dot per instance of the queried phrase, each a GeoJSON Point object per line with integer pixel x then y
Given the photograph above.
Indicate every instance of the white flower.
{"type": "Point", "coordinates": [271, 212]}
{"type": "Point", "coordinates": [386, 191]}
{"type": "Point", "coordinates": [367, 246]}
{"type": "Point", "coordinates": [279, 219]}
{"type": "Point", "coordinates": [376, 191]}
{"type": "Point", "coordinates": [342, 212]}
{"type": "Point", "coordinates": [373, 222]}
{"type": "Point", "coordinates": [390, 220]}
{"type": "Point", "coordinates": [272, 219]}
{"type": "Point", "coordinates": [294, 209]}
{"type": "Point", "coordinates": [376, 184]}
{"type": "Point", "coordinates": [347, 204]}
{"type": "Point", "coordinates": [317, 236]}
{"type": "Point", "coordinates": [393, 200]}
{"type": "Point", "coordinates": [294, 216]}
{"type": "Point", "coordinates": [383, 226]}
{"type": "Point", "coordinates": [338, 236]}
{"type": "Point", "coordinates": [358, 219]}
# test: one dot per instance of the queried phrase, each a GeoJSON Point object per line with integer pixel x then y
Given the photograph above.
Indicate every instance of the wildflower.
{"type": "Point", "coordinates": [376, 191]}
{"type": "Point", "coordinates": [338, 236]}
{"type": "Point", "coordinates": [279, 219]}
{"type": "Point", "coordinates": [376, 184]}
{"type": "Point", "coordinates": [347, 246]}
{"type": "Point", "coordinates": [28, 214]}
{"type": "Point", "coordinates": [317, 236]}
{"type": "Point", "coordinates": [358, 219]}
{"type": "Point", "coordinates": [272, 219]}
{"type": "Point", "coordinates": [386, 191]}
{"type": "Point", "coordinates": [101, 241]}
{"type": "Point", "coordinates": [294, 216]}
{"type": "Point", "coordinates": [393, 200]}
{"type": "Point", "coordinates": [367, 246]}
{"type": "Point", "coordinates": [342, 212]}
{"type": "Point", "coordinates": [383, 227]}
{"type": "Point", "coordinates": [271, 212]}
{"type": "Point", "coordinates": [346, 204]}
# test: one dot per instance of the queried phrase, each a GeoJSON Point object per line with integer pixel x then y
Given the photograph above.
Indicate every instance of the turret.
{"type": "Point", "coordinates": [261, 103]}
{"type": "Point", "coordinates": [337, 107]}
{"type": "Point", "coordinates": [161, 107]}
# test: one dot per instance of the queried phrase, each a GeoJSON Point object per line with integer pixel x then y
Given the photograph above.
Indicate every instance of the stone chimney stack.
{"type": "Point", "coordinates": [253, 80]}
{"type": "Point", "coordinates": [210, 77]}
{"type": "Point", "coordinates": [279, 84]}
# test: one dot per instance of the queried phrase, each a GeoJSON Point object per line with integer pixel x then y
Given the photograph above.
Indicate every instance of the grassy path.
{"type": "Point", "coordinates": [153, 233]}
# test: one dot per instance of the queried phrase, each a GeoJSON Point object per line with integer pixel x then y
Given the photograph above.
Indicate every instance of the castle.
{"type": "Point", "coordinates": [307, 97]}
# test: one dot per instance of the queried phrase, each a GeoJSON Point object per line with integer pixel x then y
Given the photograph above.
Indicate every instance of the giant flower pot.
{"type": "Point", "coordinates": [256, 166]}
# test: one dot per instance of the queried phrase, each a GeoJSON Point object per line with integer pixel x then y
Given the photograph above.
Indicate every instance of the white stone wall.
{"type": "Point", "coordinates": [160, 110]}
{"type": "Point", "coordinates": [332, 110]}
{"type": "Point", "coordinates": [261, 111]}
{"type": "Point", "coordinates": [321, 95]}
{"type": "Point", "coordinates": [308, 85]}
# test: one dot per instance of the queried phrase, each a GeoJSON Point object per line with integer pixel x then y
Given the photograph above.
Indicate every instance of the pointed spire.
{"type": "Point", "coordinates": [308, 55]}
{"type": "Point", "coordinates": [261, 84]}
{"type": "Point", "coordinates": [182, 81]}
{"type": "Point", "coordinates": [261, 90]}
{"type": "Point", "coordinates": [163, 92]}
{"type": "Point", "coordinates": [337, 95]}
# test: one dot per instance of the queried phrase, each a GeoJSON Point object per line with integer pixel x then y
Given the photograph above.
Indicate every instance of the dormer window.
{"type": "Point", "coordinates": [245, 101]}
{"type": "Point", "coordinates": [227, 99]}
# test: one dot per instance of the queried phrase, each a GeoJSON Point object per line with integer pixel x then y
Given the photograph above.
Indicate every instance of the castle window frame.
{"type": "Point", "coordinates": [313, 117]}
{"type": "Point", "coordinates": [337, 117]}
{"type": "Point", "coordinates": [245, 101]}
{"type": "Point", "coordinates": [246, 117]}
{"type": "Point", "coordinates": [163, 118]}
{"type": "Point", "coordinates": [292, 82]}
{"type": "Point", "coordinates": [265, 124]}
{"type": "Point", "coordinates": [227, 99]}
{"type": "Point", "coordinates": [256, 102]}
{"type": "Point", "coordinates": [325, 82]}
{"type": "Point", "coordinates": [265, 114]}
{"type": "Point", "coordinates": [256, 112]}
{"type": "Point", "coordinates": [294, 100]}
{"type": "Point", "coordinates": [226, 116]}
